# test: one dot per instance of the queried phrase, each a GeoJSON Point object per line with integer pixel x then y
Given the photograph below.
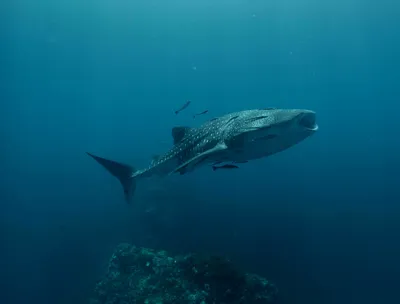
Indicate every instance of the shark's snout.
{"type": "Point", "coordinates": [308, 120]}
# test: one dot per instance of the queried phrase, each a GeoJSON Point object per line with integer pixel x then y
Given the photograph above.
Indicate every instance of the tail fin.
{"type": "Point", "coordinates": [214, 168]}
{"type": "Point", "coordinates": [124, 173]}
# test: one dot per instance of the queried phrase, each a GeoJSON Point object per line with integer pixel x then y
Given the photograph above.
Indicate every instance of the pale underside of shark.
{"type": "Point", "coordinates": [236, 137]}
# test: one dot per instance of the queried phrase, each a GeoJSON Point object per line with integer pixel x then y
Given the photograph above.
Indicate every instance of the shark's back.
{"type": "Point", "coordinates": [189, 143]}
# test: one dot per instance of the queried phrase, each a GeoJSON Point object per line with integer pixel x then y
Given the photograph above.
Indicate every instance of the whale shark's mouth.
{"type": "Point", "coordinates": [308, 121]}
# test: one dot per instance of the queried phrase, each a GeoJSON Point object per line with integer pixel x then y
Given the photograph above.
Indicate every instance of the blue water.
{"type": "Point", "coordinates": [321, 220]}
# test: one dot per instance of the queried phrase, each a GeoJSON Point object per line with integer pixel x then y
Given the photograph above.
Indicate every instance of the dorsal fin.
{"type": "Point", "coordinates": [178, 133]}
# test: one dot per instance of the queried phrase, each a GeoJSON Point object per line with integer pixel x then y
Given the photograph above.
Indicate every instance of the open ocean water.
{"type": "Point", "coordinates": [321, 220]}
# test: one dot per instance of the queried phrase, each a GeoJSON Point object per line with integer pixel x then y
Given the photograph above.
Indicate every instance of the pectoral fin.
{"type": "Point", "coordinates": [193, 162]}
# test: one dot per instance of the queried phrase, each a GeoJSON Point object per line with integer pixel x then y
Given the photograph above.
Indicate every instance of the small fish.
{"type": "Point", "coordinates": [225, 167]}
{"type": "Point", "coordinates": [202, 113]}
{"type": "Point", "coordinates": [186, 104]}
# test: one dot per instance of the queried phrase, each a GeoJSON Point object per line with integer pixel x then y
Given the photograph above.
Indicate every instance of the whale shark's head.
{"type": "Point", "coordinates": [259, 133]}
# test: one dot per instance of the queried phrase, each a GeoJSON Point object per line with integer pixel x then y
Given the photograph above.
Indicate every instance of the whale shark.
{"type": "Point", "coordinates": [237, 137]}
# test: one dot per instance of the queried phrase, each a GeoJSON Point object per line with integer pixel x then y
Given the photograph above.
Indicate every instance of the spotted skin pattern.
{"type": "Point", "coordinates": [194, 142]}
{"type": "Point", "coordinates": [236, 138]}
{"type": "Point", "coordinates": [239, 136]}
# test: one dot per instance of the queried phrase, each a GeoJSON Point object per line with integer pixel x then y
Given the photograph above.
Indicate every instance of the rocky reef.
{"type": "Point", "coordinates": [144, 276]}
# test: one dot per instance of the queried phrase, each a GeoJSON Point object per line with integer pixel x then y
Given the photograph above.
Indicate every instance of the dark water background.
{"type": "Point", "coordinates": [321, 220]}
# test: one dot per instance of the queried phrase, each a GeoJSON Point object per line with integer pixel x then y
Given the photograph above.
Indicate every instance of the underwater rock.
{"type": "Point", "coordinates": [144, 276]}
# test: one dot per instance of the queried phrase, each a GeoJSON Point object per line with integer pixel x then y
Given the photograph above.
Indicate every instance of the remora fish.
{"type": "Point", "coordinates": [201, 113]}
{"type": "Point", "coordinates": [227, 166]}
{"type": "Point", "coordinates": [185, 105]}
{"type": "Point", "coordinates": [235, 137]}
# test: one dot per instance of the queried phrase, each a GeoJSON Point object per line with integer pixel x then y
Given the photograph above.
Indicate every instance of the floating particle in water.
{"type": "Point", "coordinates": [253, 16]}
{"type": "Point", "coordinates": [194, 68]}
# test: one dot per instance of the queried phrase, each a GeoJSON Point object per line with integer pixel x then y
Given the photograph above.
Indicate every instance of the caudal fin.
{"type": "Point", "coordinates": [124, 173]}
